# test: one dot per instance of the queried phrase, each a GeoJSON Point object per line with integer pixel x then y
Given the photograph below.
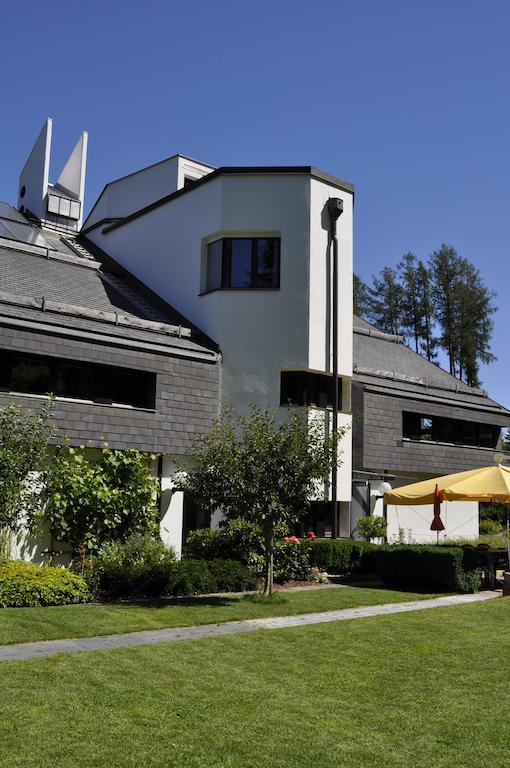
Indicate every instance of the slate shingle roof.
{"type": "Point", "coordinates": [71, 287]}
{"type": "Point", "coordinates": [382, 361]}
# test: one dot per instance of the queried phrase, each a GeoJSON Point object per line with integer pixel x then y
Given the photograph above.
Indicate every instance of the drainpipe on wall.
{"type": "Point", "coordinates": [335, 210]}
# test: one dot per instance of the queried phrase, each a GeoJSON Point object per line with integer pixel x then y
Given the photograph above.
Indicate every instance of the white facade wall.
{"type": "Point", "coordinates": [135, 191]}
{"type": "Point", "coordinates": [172, 508]}
{"type": "Point", "coordinates": [260, 333]}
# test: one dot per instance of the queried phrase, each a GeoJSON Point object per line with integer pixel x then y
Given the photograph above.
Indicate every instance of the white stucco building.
{"type": "Point", "coordinates": [244, 253]}
{"type": "Point", "coordinates": [213, 287]}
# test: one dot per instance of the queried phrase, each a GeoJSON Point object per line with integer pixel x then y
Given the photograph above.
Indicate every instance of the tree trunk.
{"type": "Point", "coordinates": [268, 553]}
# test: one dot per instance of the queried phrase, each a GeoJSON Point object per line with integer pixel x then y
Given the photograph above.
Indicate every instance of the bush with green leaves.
{"type": "Point", "coordinates": [343, 557]}
{"type": "Point", "coordinates": [292, 560]}
{"type": "Point", "coordinates": [489, 527]}
{"type": "Point", "coordinates": [430, 568]}
{"type": "Point", "coordinates": [25, 584]}
{"type": "Point", "coordinates": [24, 441]}
{"type": "Point", "coordinates": [90, 502]}
{"type": "Point", "coordinates": [236, 539]}
{"type": "Point", "coordinates": [243, 541]}
{"type": "Point", "coordinates": [371, 527]}
{"type": "Point", "coordinates": [195, 577]}
{"type": "Point", "coordinates": [140, 566]}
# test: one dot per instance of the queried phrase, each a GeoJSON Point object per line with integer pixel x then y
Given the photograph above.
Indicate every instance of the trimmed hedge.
{"type": "Point", "coordinates": [430, 568]}
{"type": "Point", "coordinates": [343, 556]}
{"type": "Point", "coordinates": [236, 540]}
{"type": "Point", "coordinates": [29, 585]}
{"type": "Point", "coordinates": [194, 577]}
{"type": "Point", "coordinates": [169, 579]}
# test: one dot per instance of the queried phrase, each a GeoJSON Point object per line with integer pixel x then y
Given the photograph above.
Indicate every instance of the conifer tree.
{"type": "Point", "coordinates": [411, 305]}
{"type": "Point", "coordinates": [360, 297]}
{"type": "Point", "coordinates": [385, 308]}
{"type": "Point", "coordinates": [428, 342]}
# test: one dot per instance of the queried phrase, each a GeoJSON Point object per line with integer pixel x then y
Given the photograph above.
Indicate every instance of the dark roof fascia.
{"type": "Point", "coordinates": [106, 339]}
{"type": "Point", "coordinates": [109, 264]}
{"type": "Point", "coordinates": [293, 170]}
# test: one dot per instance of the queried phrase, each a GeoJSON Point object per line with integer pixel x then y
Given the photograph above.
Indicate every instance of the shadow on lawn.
{"type": "Point", "coordinates": [376, 584]}
{"type": "Point", "coordinates": [165, 602]}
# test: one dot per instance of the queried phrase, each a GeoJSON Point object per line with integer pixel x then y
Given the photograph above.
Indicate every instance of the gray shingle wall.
{"type": "Point", "coordinates": [383, 446]}
{"type": "Point", "coordinates": [187, 396]}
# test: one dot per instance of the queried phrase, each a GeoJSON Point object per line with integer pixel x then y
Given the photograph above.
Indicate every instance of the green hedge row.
{"type": "Point", "coordinates": [185, 577]}
{"type": "Point", "coordinates": [28, 585]}
{"type": "Point", "coordinates": [343, 557]}
{"type": "Point", "coordinates": [430, 568]}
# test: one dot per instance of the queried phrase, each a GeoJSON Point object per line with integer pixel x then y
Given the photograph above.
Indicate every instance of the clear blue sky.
{"type": "Point", "coordinates": [409, 100]}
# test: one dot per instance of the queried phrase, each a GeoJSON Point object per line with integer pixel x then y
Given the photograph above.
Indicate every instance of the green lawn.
{"type": "Point", "coordinates": [418, 690]}
{"type": "Point", "coordinates": [20, 625]}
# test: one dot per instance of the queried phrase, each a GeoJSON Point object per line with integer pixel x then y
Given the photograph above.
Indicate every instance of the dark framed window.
{"type": "Point", "coordinates": [307, 388]}
{"type": "Point", "coordinates": [243, 263]}
{"type": "Point", "coordinates": [441, 429]}
{"type": "Point", "coordinates": [34, 375]}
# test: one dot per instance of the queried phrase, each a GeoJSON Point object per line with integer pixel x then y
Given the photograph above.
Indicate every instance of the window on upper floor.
{"type": "Point", "coordinates": [243, 263]}
{"type": "Point", "coordinates": [308, 388]}
{"type": "Point", "coordinates": [440, 429]}
{"type": "Point", "coordinates": [34, 375]}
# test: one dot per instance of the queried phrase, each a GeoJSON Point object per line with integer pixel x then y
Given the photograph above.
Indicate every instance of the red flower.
{"type": "Point", "coordinates": [311, 535]}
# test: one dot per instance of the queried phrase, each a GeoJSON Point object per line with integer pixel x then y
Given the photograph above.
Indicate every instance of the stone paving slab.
{"type": "Point", "coordinates": [44, 648]}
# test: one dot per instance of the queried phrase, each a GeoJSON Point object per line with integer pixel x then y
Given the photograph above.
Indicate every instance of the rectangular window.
{"type": "Point", "coordinates": [35, 375]}
{"type": "Point", "coordinates": [441, 429]}
{"type": "Point", "coordinates": [307, 388]}
{"type": "Point", "coordinates": [243, 263]}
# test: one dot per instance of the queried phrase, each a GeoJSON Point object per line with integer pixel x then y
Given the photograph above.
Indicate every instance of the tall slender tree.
{"type": "Point", "coordinates": [475, 324]}
{"type": "Point", "coordinates": [411, 304]}
{"type": "Point", "coordinates": [360, 296]}
{"type": "Point", "coordinates": [428, 342]}
{"type": "Point", "coordinates": [385, 308]}
{"type": "Point", "coordinates": [446, 270]}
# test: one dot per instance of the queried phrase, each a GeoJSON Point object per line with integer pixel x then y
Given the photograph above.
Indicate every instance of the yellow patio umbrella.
{"type": "Point", "coordinates": [483, 484]}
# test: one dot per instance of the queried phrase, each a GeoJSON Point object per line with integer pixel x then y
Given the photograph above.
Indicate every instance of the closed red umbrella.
{"type": "Point", "coordinates": [437, 524]}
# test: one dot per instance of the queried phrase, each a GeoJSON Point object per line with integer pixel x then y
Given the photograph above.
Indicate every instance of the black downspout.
{"type": "Point", "coordinates": [335, 210]}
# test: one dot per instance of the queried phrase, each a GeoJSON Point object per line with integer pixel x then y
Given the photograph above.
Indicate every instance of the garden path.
{"type": "Point", "coordinates": [24, 651]}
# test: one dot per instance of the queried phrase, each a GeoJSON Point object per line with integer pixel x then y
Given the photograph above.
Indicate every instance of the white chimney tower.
{"type": "Point", "coordinates": [59, 205]}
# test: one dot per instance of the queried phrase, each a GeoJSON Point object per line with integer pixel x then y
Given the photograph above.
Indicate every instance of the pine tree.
{"type": "Point", "coordinates": [385, 308]}
{"type": "Point", "coordinates": [463, 309]}
{"type": "Point", "coordinates": [475, 324]}
{"type": "Point", "coordinates": [360, 296]}
{"type": "Point", "coordinates": [428, 342]}
{"type": "Point", "coordinates": [446, 270]}
{"type": "Point", "coordinates": [411, 299]}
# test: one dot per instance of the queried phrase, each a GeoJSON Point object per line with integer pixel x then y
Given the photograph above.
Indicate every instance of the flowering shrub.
{"type": "Point", "coordinates": [321, 577]}
{"type": "Point", "coordinates": [292, 559]}
{"type": "Point", "coordinates": [242, 541]}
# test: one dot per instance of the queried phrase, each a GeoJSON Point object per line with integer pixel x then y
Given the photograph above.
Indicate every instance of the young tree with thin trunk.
{"type": "Point", "coordinates": [262, 470]}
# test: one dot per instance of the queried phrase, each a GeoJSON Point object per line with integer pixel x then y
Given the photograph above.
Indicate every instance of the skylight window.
{"type": "Point", "coordinates": [13, 226]}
